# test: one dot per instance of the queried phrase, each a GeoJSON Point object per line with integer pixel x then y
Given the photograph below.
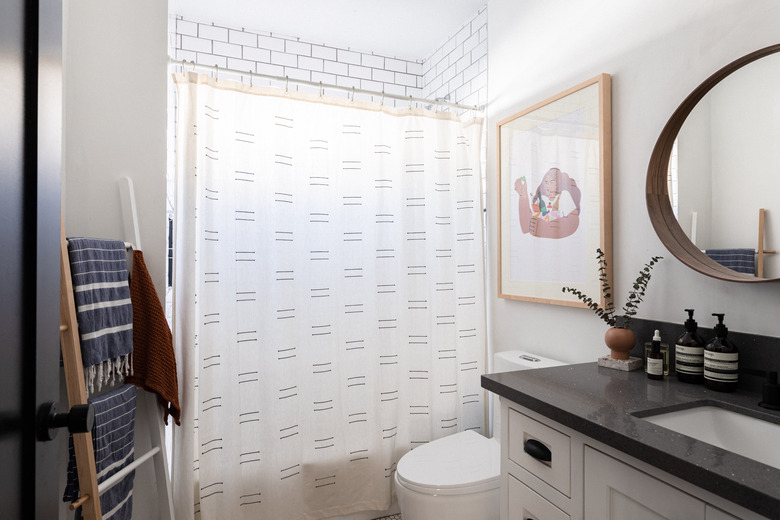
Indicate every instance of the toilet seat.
{"type": "Point", "coordinates": [458, 464]}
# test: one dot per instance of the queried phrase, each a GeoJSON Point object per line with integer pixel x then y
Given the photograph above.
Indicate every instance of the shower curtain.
{"type": "Point", "coordinates": [329, 297]}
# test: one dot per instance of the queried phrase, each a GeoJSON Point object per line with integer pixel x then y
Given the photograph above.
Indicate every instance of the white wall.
{"type": "Point", "coordinates": [115, 113]}
{"type": "Point", "coordinates": [115, 73]}
{"type": "Point", "coordinates": [657, 52]}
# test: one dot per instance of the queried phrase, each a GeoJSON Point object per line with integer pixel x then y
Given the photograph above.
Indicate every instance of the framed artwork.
{"type": "Point", "coordinates": [555, 196]}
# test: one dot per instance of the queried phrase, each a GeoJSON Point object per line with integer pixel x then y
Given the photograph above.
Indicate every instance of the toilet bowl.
{"type": "Point", "coordinates": [457, 477]}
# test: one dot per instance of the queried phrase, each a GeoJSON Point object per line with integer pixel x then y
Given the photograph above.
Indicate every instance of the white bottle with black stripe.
{"type": "Point", "coordinates": [721, 360]}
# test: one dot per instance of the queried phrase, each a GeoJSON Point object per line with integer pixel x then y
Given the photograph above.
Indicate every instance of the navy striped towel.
{"type": "Point", "coordinates": [113, 441]}
{"type": "Point", "coordinates": [740, 260]}
{"type": "Point", "coordinates": [104, 311]}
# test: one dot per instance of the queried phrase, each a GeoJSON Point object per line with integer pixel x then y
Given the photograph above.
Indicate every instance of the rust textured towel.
{"type": "Point", "coordinates": [154, 363]}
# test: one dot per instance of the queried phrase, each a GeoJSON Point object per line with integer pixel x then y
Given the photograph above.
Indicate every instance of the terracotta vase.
{"type": "Point", "coordinates": [620, 342]}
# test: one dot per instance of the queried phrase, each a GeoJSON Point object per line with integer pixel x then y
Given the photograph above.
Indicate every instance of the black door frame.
{"type": "Point", "coordinates": [31, 175]}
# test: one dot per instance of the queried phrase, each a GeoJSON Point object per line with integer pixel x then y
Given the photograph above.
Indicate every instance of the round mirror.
{"type": "Point", "coordinates": [714, 174]}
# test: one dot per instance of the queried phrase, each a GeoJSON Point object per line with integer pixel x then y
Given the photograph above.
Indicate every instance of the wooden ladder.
{"type": "Point", "coordinates": [761, 251]}
{"type": "Point", "coordinates": [77, 389]}
{"type": "Point", "coordinates": [89, 499]}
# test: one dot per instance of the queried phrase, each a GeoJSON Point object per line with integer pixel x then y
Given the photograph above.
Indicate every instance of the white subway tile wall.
{"type": "Point", "coordinates": [457, 70]}
{"type": "Point", "coordinates": [286, 56]}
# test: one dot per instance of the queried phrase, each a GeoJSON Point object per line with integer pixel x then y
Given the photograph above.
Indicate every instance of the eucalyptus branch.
{"type": "Point", "coordinates": [635, 295]}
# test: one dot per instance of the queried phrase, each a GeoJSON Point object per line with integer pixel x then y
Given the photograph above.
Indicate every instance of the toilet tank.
{"type": "Point", "coordinates": [509, 361]}
{"type": "Point", "coordinates": [512, 360]}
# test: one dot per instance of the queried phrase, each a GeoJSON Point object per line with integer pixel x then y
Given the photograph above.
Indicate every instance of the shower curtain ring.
{"type": "Point", "coordinates": [383, 97]}
{"type": "Point", "coordinates": [286, 84]}
{"type": "Point", "coordinates": [353, 94]}
{"type": "Point", "coordinates": [216, 72]}
{"type": "Point", "coordinates": [251, 84]}
{"type": "Point", "coordinates": [322, 92]}
{"type": "Point", "coordinates": [410, 103]}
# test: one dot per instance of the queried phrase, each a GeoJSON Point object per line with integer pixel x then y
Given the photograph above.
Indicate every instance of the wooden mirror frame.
{"type": "Point", "coordinates": [657, 192]}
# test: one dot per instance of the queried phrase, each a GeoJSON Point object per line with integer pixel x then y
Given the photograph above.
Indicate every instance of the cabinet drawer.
{"type": "Point", "coordinates": [527, 504]}
{"type": "Point", "coordinates": [526, 432]}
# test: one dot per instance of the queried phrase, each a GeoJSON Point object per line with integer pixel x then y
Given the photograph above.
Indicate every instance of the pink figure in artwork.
{"type": "Point", "coordinates": [554, 210]}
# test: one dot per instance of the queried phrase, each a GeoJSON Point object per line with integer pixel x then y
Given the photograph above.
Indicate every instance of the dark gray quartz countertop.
{"type": "Point", "coordinates": [605, 404]}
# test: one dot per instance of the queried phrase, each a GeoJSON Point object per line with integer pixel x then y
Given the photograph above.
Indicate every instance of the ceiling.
{"type": "Point", "coordinates": [407, 29]}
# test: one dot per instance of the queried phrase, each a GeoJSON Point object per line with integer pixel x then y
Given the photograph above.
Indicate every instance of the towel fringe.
{"type": "Point", "coordinates": [105, 373]}
{"type": "Point", "coordinates": [89, 374]}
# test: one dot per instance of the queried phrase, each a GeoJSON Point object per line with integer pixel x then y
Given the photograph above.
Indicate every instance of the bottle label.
{"type": "Point", "coordinates": [719, 366]}
{"type": "Point", "coordinates": [655, 367]}
{"type": "Point", "coordinates": [689, 360]}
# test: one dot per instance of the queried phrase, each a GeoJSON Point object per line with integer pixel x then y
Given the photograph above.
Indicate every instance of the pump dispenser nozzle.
{"type": "Point", "coordinates": [720, 329]}
{"type": "Point", "coordinates": [690, 323]}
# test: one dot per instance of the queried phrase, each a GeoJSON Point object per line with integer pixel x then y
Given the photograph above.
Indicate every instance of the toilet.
{"type": "Point", "coordinates": [457, 477]}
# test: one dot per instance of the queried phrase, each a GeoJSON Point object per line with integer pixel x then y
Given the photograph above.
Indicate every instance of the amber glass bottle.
{"type": "Point", "coordinates": [721, 360]}
{"type": "Point", "coordinates": [654, 365]}
{"type": "Point", "coordinates": [689, 353]}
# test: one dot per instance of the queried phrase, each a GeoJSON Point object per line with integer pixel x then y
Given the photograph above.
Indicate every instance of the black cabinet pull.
{"type": "Point", "coordinates": [537, 450]}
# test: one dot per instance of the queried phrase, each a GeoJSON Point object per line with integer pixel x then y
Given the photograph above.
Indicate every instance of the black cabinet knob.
{"type": "Point", "coordinates": [79, 419]}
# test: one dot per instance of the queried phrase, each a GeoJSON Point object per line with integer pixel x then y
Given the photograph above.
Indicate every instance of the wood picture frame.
{"type": "Point", "coordinates": [555, 196]}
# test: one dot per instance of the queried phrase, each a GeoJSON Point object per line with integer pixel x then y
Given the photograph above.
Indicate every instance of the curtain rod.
{"type": "Point", "coordinates": [286, 79]}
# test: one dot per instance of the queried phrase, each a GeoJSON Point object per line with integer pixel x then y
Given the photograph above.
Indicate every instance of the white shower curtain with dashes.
{"type": "Point", "coordinates": [329, 297]}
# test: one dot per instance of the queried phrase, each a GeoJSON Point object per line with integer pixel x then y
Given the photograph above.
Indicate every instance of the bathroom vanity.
{"type": "Point", "coordinates": [577, 442]}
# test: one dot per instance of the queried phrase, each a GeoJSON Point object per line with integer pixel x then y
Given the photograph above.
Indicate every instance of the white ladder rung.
{"type": "Point", "coordinates": [119, 475]}
{"type": "Point", "coordinates": [153, 415]}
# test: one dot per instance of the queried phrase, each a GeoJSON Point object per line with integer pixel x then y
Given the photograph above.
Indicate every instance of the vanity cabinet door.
{"type": "Point", "coordinates": [527, 504]}
{"type": "Point", "coordinates": [616, 491]}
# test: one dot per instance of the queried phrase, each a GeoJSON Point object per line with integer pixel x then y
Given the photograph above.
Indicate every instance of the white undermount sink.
{"type": "Point", "coordinates": [732, 431]}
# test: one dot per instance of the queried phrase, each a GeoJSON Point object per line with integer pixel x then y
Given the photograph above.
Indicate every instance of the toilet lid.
{"type": "Point", "coordinates": [465, 462]}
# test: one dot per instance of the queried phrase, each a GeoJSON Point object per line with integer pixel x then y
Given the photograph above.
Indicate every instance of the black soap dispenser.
{"type": "Point", "coordinates": [689, 353]}
{"type": "Point", "coordinates": [721, 360]}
